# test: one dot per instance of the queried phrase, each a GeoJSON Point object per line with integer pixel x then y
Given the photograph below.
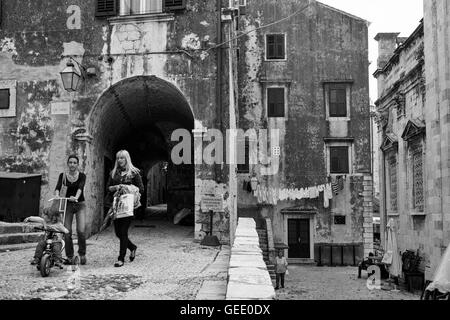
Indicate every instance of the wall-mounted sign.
{"type": "Point", "coordinates": [212, 203]}
{"type": "Point", "coordinates": [59, 108]}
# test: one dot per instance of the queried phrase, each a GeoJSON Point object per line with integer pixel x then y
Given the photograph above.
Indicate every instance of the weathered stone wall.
{"type": "Point", "coordinates": [323, 44]}
{"type": "Point", "coordinates": [413, 83]}
{"type": "Point", "coordinates": [36, 39]}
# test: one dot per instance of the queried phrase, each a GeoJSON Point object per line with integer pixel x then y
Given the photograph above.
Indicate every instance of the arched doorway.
{"type": "Point", "coordinates": [139, 114]}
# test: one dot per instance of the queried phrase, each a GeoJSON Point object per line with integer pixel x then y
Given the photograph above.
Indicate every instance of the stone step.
{"type": "Point", "coordinates": [12, 228]}
{"type": "Point", "coordinates": [16, 238]}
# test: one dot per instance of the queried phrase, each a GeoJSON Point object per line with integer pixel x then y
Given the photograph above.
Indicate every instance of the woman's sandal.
{"type": "Point", "coordinates": [119, 264]}
{"type": "Point", "coordinates": [133, 255]}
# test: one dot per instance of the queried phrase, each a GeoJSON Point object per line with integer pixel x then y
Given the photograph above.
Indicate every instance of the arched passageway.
{"type": "Point", "coordinates": [139, 114]}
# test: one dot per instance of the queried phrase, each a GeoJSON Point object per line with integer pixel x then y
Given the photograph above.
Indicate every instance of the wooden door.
{"type": "Point", "coordinates": [299, 239]}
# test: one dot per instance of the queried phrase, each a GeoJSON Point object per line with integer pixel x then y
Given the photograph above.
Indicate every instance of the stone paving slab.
{"type": "Point", "coordinates": [168, 266]}
{"type": "Point", "coordinates": [250, 291]}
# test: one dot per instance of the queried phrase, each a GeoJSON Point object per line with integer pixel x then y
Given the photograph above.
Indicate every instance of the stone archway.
{"type": "Point", "coordinates": [138, 114]}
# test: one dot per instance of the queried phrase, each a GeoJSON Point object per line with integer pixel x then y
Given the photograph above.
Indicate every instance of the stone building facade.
{"type": "Point", "coordinates": [308, 78]}
{"type": "Point", "coordinates": [414, 134]}
{"type": "Point", "coordinates": [153, 66]}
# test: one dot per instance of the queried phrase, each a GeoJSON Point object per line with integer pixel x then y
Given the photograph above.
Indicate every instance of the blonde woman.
{"type": "Point", "coordinates": [123, 173]}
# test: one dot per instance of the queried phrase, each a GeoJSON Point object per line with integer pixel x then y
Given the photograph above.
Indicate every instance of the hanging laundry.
{"type": "Point", "coordinates": [327, 195]}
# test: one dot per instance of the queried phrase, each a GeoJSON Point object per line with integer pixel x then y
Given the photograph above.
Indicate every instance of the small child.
{"type": "Point", "coordinates": [51, 218]}
{"type": "Point", "coordinates": [280, 269]}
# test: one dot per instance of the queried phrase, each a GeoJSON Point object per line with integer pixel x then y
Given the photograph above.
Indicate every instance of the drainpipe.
{"type": "Point", "coordinates": [219, 76]}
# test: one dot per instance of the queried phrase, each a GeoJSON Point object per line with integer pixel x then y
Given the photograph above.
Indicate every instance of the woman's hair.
{"type": "Point", "coordinates": [72, 156]}
{"type": "Point", "coordinates": [129, 168]}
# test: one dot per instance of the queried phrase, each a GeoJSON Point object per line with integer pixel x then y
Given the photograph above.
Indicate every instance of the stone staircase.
{"type": "Point", "coordinates": [17, 233]}
{"type": "Point", "coordinates": [263, 244]}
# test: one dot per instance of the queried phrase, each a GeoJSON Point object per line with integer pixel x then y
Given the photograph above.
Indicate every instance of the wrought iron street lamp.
{"type": "Point", "coordinates": [71, 77]}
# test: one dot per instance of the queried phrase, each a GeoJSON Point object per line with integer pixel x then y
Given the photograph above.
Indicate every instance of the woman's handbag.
{"type": "Point", "coordinates": [287, 272]}
{"type": "Point", "coordinates": [123, 206]}
{"type": "Point", "coordinates": [63, 191]}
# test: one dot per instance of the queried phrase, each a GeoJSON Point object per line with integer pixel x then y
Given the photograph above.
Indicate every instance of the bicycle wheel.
{"type": "Point", "coordinates": [46, 265]}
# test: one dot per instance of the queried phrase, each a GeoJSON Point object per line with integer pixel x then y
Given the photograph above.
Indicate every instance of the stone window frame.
{"type": "Point", "coordinates": [326, 89]}
{"type": "Point", "coordinates": [329, 143]}
{"type": "Point", "coordinates": [271, 85]}
{"type": "Point", "coordinates": [416, 150]}
{"type": "Point", "coordinates": [284, 34]}
{"type": "Point", "coordinates": [389, 148]}
{"type": "Point", "coordinates": [11, 85]}
{"type": "Point", "coordinates": [392, 161]}
{"type": "Point", "coordinates": [415, 137]}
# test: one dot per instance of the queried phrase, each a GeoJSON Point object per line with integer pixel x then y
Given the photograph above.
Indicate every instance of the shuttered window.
{"type": "Point", "coordinates": [275, 102]}
{"type": "Point", "coordinates": [106, 8]}
{"type": "Point", "coordinates": [4, 99]}
{"type": "Point", "coordinates": [275, 49]}
{"type": "Point", "coordinates": [245, 167]}
{"type": "Point", "coordinates": [339, 160]}
{"type": "Point", "coordinates": [338, 101]}
{"type": "Point", "coordinates": [173, 5]}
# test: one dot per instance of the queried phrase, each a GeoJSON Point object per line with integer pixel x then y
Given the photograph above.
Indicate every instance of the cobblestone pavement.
{"type": "Point", "coordinates": [333, 283]}
{"type": "Point", "coordinates": [168, 266]}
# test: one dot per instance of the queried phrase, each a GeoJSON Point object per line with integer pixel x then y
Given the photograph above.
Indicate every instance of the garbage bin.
{"type": "Point", "coordinates": [20, 195]}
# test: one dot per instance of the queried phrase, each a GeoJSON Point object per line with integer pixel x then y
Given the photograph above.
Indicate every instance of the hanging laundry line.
{"type": "Point", "coordinates": [272, 196]}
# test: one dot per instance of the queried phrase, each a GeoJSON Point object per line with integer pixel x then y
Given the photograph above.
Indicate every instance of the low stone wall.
{"type": "Point", "coordinates": [248, 277]}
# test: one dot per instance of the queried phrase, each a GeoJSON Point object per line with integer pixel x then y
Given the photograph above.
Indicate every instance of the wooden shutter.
{"type": "Point", "coordinates": [338, 102]}
{"type": "Point", "coordinates": [339, 159]}
{"type": "Point", "coordinates": [245, 167]}
{"type": "Point", "coordinates": [279, 46]}
{"type": "Point", "coordinates": [275, 46]}
{"type": "Point", "coordinates": [106, 8]}
{"type": "Point", "coordinates": [275, 102]}
{"type": "Point", "coordinates": [270, 46]}
{"type": "Point", "coordinates": [174, 5]}
{"type": "Point", "coordinates": [4, 99]}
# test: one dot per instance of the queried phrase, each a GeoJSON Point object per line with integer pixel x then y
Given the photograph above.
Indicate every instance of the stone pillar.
{"type": "Point", "coordinates": [368, 214]}
{"type": "Point", "coordinates": [437, 118]}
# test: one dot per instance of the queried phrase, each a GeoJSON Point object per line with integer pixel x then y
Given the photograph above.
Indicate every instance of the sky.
{"type": "Point", "coordinates": [384, 16]}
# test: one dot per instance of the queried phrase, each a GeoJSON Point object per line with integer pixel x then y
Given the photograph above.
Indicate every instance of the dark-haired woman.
{"type": "Point", "coordinates": [73, 182]}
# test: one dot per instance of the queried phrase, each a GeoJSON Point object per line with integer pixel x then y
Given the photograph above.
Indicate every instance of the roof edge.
{"type": "Point", "coordinates": [342, 12]}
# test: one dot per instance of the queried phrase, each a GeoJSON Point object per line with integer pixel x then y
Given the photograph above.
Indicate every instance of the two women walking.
{"type": "Point", "coordinates": [71, 184]}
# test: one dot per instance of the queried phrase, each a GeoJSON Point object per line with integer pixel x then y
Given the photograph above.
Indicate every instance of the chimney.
{"type": "Point", "coordinates": [387, 43]}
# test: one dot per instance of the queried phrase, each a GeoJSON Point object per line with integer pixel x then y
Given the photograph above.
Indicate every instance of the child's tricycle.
{"type": "Point", "coordinates": [52, 226]}
{"type": "Point", "coordinates": [49, 259]}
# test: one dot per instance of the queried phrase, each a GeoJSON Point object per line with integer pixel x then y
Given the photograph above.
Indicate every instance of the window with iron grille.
{"type": "Point", "coordinates": [275, 102]}
{"type": "Point", "coordinates": [337, 95]}
{"type": "Point", "coordinates": [417, 166]}
{"type": "Point", "coordinates": [393, 183]}
{"type": "Point", "coordinates": [275, 47]}
{"type": "Point", "coordinates": [340, 220]}
{"type": "Point", "coordinates": [4, 99]}
{"type": "Point", "coordinates": [339, 160]}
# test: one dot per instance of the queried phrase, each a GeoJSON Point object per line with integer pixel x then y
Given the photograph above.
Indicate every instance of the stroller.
{"type": "Point", "coordinates": [439, 288]}
{"type": "Point", "coordinates": [48, 258]}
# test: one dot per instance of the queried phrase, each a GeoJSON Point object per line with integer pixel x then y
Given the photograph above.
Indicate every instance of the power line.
{"type": "Point", "coordinates": [262, 27]}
